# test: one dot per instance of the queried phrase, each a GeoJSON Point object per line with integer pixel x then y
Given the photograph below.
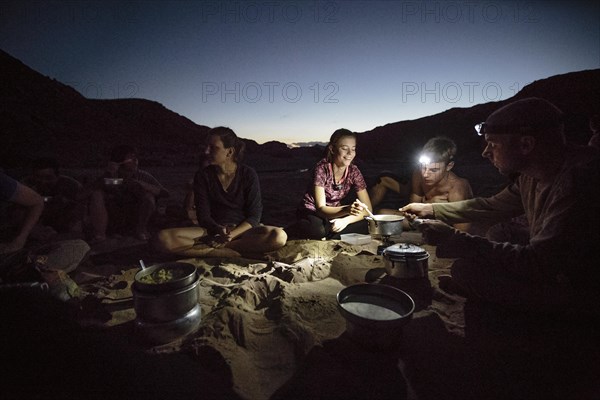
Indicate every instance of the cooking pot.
{"type": "Point", "coordinates": [385, 224]}
{"type": "Point", "coordinates": [165, 332]}
{"type": "Point", "coordinates": [375, 314]}
{"type": "Point", "coordinates": [405, 260]}
{"type": "Point", "coordinates": [165, 306]}
{"type": "Point", "coordinates": [165, 276]}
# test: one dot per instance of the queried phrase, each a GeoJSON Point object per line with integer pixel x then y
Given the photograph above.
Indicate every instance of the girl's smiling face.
{"type": "Point", "coordinates": [344, 151]}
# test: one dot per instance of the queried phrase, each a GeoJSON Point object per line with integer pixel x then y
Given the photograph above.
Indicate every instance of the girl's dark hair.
{"type": "Point", "coordinates": [230, 139]}
{"type": "Point", "coordinates": [334, 139]}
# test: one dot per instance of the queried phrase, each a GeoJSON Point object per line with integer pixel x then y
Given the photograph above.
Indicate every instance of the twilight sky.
{"type": "Point", "coordinates": [295, 71]}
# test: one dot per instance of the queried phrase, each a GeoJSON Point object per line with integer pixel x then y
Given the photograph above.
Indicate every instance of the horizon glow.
{"type": "Point", "coordinates": [295, 71]}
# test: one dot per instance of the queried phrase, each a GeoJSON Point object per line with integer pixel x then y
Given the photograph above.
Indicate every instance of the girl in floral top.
{"type": "Point", "coordinates": [321, 213]}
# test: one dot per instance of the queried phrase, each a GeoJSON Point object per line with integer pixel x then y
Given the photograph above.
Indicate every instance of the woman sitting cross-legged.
{"type": "Point", "coordinates": [228, 206]}
{"type": "Point", "coordinates": [321, 213]}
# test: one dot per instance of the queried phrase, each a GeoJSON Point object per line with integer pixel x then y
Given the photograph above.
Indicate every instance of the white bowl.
{"type": "Point", "coordinates": [113, 181]}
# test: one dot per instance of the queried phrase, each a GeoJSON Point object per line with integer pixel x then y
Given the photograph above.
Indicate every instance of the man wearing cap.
{"type": "Point", "coordinates": [556, 186]}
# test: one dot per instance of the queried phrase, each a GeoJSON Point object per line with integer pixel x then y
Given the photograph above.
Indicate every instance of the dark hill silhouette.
{"type": "Point", "coordinates": [577, 94]}
{"type": "Point", "coordinates": [40, 115]}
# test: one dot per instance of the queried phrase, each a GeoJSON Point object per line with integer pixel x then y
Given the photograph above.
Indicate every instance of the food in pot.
{"type": "Point", "coordinates": [162, 275]}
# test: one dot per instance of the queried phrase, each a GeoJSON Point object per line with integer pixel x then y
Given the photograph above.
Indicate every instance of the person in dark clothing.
{"type": "Point", "coordinates": [556, 187]}
{"type": "Point", "coordinates": [63, 206]}
{"type": "Point", "coordinates": [228, 206]}
{"type": "Point", "coordinates": [128, 205]}
{"type": "Point", "coordinates": [595, 128]}
{"type": "Point", "coordinates": [17, 193]}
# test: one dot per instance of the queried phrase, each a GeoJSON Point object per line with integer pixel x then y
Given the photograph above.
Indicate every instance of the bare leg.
{"type": "Point", "coordinates": [181, 241]}
{"type": "Point", "coordinates": [377, 193]}
{"type": "Point", "coordinates": [380, 189]}
{"type": "Point", "coordinates": [261, 239]}
{"type": "Point", "coordinates": [98, 214]}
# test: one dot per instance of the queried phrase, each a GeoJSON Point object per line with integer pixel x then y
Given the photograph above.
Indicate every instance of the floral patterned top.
{"type": "Point", "coordinates": [334, 194]}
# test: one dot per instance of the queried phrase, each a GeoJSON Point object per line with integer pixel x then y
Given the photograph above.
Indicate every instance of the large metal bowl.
{"type": "Point", "coordinates": [183, 274]}
{"type": "Point", "coordinates": [375, 314]}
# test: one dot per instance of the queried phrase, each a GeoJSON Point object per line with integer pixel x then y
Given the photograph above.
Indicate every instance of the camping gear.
{"type": "Point", "coordinates": [164, 306]}
{"type": "Point", "coordinates": [405, 260]}
{"type": "Point", "coordinates": [355, 238]}
{"type": "Point", "coordinates": [165, 299]}
{"type": "Point", "coordinates": [385, 226]}
{"type": "Point", "coordinates": [371, 215]}
{"type": "Point", "coordinates": [165, 276]}
{"type": "Point", "coordinates": [375, 314]}
{"type": "Point", "coordinates": [165, 332]}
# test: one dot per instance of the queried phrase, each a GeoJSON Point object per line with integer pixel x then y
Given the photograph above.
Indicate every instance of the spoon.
{"type": "Point", "coordinates": [142, 264]}
{"type": "Point", "coordinates": [363, 205]}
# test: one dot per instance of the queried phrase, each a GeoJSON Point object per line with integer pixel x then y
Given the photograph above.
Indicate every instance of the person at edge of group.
{"type": "Point", "coordinates": [433, 181]}
{"type": "Point", "coordinates": [556, 186]}
{"type": "Point", "coordinates": [321, 213]}
{"type": "Point", "coordinates": [15, 192]}
{"type": "Point", "coordinates": [126, 207]}
{"type": "Point", "coordinates": [595, 128]}
{"type": "Point", "coordinates": [63, 206]}
{"type": "Point", "coordinates": [228, 206]}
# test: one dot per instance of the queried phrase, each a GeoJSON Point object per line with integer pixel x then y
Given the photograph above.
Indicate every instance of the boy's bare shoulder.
{"type": "Point", "coordinates": [458, 181]}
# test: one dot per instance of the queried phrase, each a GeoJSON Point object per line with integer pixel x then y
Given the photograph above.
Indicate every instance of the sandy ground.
{"type": "Point", "coordinates": [272, 329]}
{"type": "Point", "coordinates": [264, 317]}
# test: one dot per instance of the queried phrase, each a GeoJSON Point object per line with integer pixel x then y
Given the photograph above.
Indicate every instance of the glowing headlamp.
{"type": "Point", "coordinates": [424, 159]}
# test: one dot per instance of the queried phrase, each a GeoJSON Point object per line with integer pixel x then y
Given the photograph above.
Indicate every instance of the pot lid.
{"type": "Point", "coordinates": [404, 250]}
